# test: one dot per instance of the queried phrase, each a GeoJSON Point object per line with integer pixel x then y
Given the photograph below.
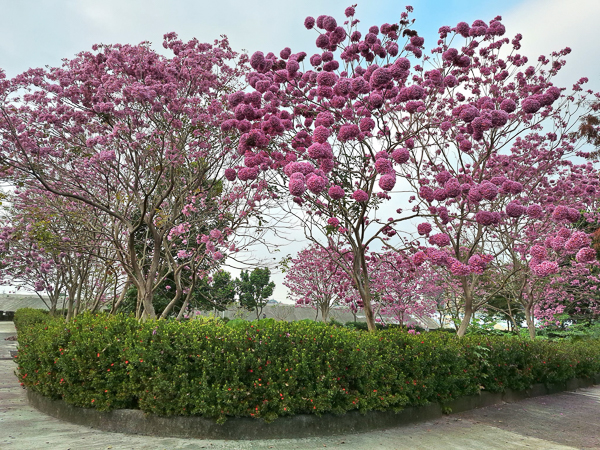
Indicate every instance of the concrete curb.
{"type": "Point", "coordinates": [300, 426]}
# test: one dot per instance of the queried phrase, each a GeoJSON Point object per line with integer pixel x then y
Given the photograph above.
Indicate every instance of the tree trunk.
{"type": "Point", "coordinates": [182, 310]}
{"type": "Point", "coordinates": [145, 304]}
{"type": "Point", "coordinates": [184, 306]}
{"type": "Point", "coordinates": [365, 295]}
{"type": "Point", "coordinates": [118, 301]}
{"type": "Point", "coordinates": [70, 308]}
{"type": "Point", "coordinates": [369, 316]}
{"type": "Point", "coordinates": [325, 313]}
{"type": "Point", "coordinates": [464, 324]}
{"type": "Point", "coordinates": [530, 323]}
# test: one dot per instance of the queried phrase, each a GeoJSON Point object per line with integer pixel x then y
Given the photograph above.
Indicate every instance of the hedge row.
{"type": "Point", "coordinates": [267, 369]}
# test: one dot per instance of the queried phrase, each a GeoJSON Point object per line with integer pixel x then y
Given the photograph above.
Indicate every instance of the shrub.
{"type": "Point", "coordinates": [265, 369]}
{"type": "Point", "coordinates": [29, 316]}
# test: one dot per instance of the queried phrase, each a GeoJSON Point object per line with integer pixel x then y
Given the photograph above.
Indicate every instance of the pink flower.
{"type": "Point", "coordinates": [366, 124]}
{"type": "Point", "coordinates": [316, 184]}
{"type": "Point", "coordinates": [383, 166]}
{"type": "Point", "coordinates": [426, 193]}
{"type": "Point", "coordinates": [474, 194]}
{"type": "Point", "coordinates": [401, 155]}
{"type": "Point", "coordinates": [336, 192]}
{"type": "Point", "coordinates": [459, 269]}
{"type": "Point", "coordinates": [329, 23]}
{"type": "Point", "coordinates": [508, 105]}
{"type": "Point", "coordinates": [558, 243]}
{"type": "Point", "coordinates": [413, 106]}
{"type": "Point", "coordinates": [560, 213]}
{"type": "Point", "coordinates": [463, 29]}
{"type": "Point", "coordinates": [538, 252]}
{"type": "Point", "coordinates": [321, 134]}
{"type": "Point", "coordinates": [535, 211]}
{"type": "Point", "coordinates": [545, 268]}
{"type": "Point", "coordinates": [387, 181]}
{"type": "Point", "coordinates": [578, 240]}
{"type": "Point", "coordinates": [586, 255]}
{"type": "Point", "coordinates": [440, 239]}
{"type": "Point", "coordinates": [465, 145]}
{"type": "Point", "coordinates": [248, 173]}
{"type": "Point", "coordinates": [376, 101]}
{"type": "Point", "coordinates": [348, 132]}
{"type": "Point", "coordinates": [424, 228]}
{"type": "Point", "coordinates": [437, 257]}
{"type": "Point", "coordinates": [326, 165]}
{"type": "Point", "coordinates": [440, 195]}
{"type": "Point", "coordinates": [478, 263]}
{"type": "Point", "coordinates": [468, 113]}
{"type": "Point", "coordinates": [530, 105]}
{"type": "Point", "coordinates": [333, 221]}
{"type": "Point", "coordinates": [297, 187]}
{"type": "Point", "coordinates": [380, 77]}
{"type": "Point", "coordinates": [326, 79]}
{"type": "Point", "coordinates": [515, 209]}
{"type": "Point", "coordinates": [419, 258]}
{"type": "Point", "coordinates": [317, 151]}
{"type": "Point", "coordinates": [442, 177]}
{"type": "Point", "coordinates": [564, 233]}
{"type": "Point", "coordinates": [297, 175]}
{"type": "Point", "coordinates": [573, 215]}
{"type": "Point", "coordinates": [487, 218]}
{"type": "Point", "coordinates": [488, 190]}
{"type": "Point", "coordinates": [360, 196]}
{"type": "Point", "coordinates": [230, 174]}
{"type": "Point", "coordinates": [449, 81]}
{"type": "Point", "coordinates": [452, 188]}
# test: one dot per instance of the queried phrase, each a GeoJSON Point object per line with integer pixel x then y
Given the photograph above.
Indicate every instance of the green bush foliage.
{"type": "Point", "coordinates": [266, 369]}
{"type": "Point", "coordinates": [29, 316]}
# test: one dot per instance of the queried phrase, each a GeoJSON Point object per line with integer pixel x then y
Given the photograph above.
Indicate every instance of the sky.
{"type": "Point", "coordinates": [36, 33]}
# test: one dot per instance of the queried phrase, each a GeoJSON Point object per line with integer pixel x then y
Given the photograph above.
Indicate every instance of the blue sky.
{"type": "Point", "coordinates": [36, 33]}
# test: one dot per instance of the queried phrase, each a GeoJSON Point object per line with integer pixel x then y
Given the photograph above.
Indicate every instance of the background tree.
{"type": "Point", "coordinates": [314, 279]}
{"type": "Point", "coordinates": [68, 262]}
{"type": "Point", "coordinates": [216, 293]}
{"type": "Point", "coordinates": [404, 292]}
{"type": "Point", "coordinates": [254, 289]}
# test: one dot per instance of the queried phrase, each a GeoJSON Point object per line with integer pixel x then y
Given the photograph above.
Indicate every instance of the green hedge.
{"type": "Point", "coordinates": [29, 316]}
{"type": "Point", "coordinates": [268, 369]}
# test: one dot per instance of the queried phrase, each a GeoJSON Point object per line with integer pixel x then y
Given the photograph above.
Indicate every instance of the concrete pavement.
{"type": "Point", "coordinates": [569, 420]}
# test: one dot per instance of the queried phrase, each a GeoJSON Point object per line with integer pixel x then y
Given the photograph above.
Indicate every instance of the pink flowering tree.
{"type": "Point", "coordinates": [314, 279]}
{"type": "Point", "coordinates": [529, 222]}
{"type": "Point", "coordinates": [403, 291]}
{"type": "Point", "coordinates": [135, 137]}
{"type": "Point", "coordinates": [558, 277]}
{"type": "Point", "coordinates": [363, 124]}
{"type": "Point", "coordinates": [26, 265]}
{"type": "Point", "coordinates": [76, 265]}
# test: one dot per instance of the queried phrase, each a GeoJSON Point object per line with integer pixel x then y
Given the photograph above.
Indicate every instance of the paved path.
{"type": "Point", "coordinates": [569, 420]}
